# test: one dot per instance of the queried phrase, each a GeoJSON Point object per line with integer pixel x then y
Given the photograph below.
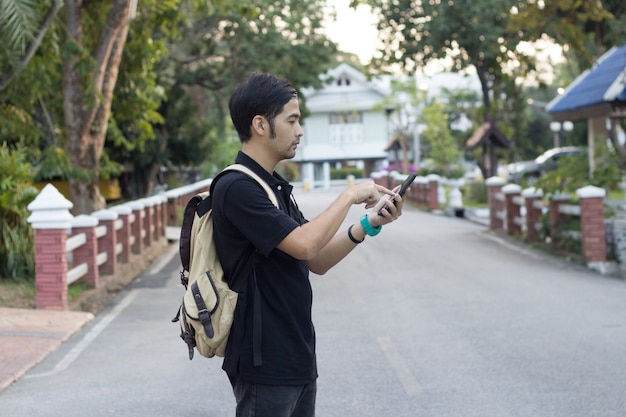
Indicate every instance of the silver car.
{"type": "Point", "coordinates": [547, 161]}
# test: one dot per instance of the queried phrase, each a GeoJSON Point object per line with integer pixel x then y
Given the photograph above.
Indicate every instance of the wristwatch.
{"type": "Point", "coordinates": [369, 229]}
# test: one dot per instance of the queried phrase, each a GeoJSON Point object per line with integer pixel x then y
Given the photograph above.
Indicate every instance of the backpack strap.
{"type": "Point", "coordinates": [185, 236]}
{"type": "Point", "coordinates": [199, 206]}
{"type": "Point", "coordinates": [261, 181]}
{"type": "Point", "coordinates": [204, 315]}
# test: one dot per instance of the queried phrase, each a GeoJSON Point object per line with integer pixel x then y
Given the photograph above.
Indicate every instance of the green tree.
{"type": "Point", "coordinates": [90, 71]}
{"type": "Point", "coordinates": [467, 34]}
{"type": "Point", "coordinates": [21, 33]}
{"type": "Point", "coordinates": [16, 236]}
{"type": "Point", "coordinates": [585, 28]}
{"type": "Point", "coordinates": [403, 106]}
{"type": "Point", "coordinates": [28, 81]}
{"type": "Point", "coordinates": [460, 105]}
{"type": "Point", "coordinates": [140, 94]}
{"type": "Point", "coordinates": [86, 47]}
{"type": "Point", "coordinates": [217, 49]}
{"type": "Point", "coordinates": [135, 93]}
{"type": "Point", "coordinates": [442, 147]}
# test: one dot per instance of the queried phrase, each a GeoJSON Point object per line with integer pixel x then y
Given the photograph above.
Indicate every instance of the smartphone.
{"type": "Point", "coordinates": [406, 184]}
{"type": "Point", "coordinates": [403, 187]}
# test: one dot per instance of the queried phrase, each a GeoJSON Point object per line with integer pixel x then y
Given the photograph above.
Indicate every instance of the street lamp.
{"type": "Point", "coordinates": [557, 127]}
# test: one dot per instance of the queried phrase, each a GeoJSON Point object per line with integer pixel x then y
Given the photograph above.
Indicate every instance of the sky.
{"type": "Point", "coordinates": [354, 30]}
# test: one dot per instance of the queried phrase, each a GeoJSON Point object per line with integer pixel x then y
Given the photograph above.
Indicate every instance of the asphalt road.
{"type": "Point", "coordinates": [434, 317]}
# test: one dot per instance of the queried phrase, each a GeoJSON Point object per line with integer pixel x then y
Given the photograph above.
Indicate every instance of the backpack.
{"type": "Point", "coordinates": [207, 308]}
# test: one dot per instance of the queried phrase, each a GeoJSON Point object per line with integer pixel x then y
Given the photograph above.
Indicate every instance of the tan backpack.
{"type": "Point", "coordinates": [206, 311]}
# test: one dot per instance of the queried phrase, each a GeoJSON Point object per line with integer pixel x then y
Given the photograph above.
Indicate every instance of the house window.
{"type": "Point", "coordinates": [346, 128]}
{"type": "Point", "coordinates": [343, 80]}
{"type": "Point", "coordinates": [345, 118]}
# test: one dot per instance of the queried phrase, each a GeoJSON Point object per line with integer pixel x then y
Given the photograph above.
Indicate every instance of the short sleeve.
{"type": "Point", "coordinates": [247, 206]}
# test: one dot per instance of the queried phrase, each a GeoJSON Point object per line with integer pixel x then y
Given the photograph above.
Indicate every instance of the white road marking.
{"type": "Point", "coordinates": [89, 337]}
{"type": "Point", "coordinates": [404, 374]}
{"type": "Point", "coordinates": [508, 245]}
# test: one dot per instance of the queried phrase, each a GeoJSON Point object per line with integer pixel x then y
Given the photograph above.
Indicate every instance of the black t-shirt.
{"type": "Point", "coordinates": [244, 216]}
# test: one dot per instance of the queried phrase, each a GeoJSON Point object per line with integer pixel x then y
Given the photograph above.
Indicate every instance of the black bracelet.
{"type": "Point", "coordinates": [352, 238]}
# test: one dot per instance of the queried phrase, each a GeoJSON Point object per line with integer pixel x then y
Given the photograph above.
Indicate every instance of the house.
{"type": "Point", "coordinates": [598, 96]}
{"type": "Point", "coordinates": [347, 126]}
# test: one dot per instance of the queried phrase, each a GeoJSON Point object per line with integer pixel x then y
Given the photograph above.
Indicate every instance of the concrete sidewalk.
{"type": "Point", "coordinates": [27, 336]}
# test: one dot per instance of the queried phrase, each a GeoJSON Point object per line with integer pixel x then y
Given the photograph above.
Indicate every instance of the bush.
{"type": "Point", "coordinates": [17, 260]}
{"type": "Point", "coordinates": [559, 238]}
{"type": "Point", "coordinates": [289, 170]}
{"type": "Point", "coordinates": [573, 172]}
{"type": "Point", "coordinates": [342, 173]}
{"type": "Point", "coordinates": [450, 172]}
{"type": "Point", "coordinates": [475, 193]}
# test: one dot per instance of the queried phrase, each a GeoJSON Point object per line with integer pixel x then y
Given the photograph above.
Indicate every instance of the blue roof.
{"type": "Point", "coordinates": [604, 83]}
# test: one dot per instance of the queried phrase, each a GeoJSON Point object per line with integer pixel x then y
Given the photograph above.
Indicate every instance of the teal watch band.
{"type": "Point", "coordinates": [368, 228]}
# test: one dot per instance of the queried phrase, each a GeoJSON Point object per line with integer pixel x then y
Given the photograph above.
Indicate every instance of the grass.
{"type": "Point", "coordinates": [17, 294]}
{"type": "Point", "coordinates": [616, 195]}
{"type": "Point", "coordinates": [76, 291]}
{"type": "Point", "coordinates": [474, 204]}
{"type": "Point", "coordinates": [21, 294]}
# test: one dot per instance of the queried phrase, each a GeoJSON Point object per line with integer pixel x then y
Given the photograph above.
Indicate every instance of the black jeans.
{"type": "Point", "coordinates": [258, 400]}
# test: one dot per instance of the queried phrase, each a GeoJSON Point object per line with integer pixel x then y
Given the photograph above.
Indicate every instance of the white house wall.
{"type": "Point", "coordinates": [316, 146]}
{"type": "Point", "coordinates": [324, 141]}
{"type": "Point", "coordinates": [347, 93]}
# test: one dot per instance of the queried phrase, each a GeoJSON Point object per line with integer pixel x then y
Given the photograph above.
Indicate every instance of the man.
{"type": "Point", "coordinates": [270, 356]}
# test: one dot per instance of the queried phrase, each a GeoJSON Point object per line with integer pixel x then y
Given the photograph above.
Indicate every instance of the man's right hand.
{"type": "Point", "coordinates": [368, 193]}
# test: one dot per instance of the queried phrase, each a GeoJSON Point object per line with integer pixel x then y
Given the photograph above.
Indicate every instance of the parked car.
{"type": "Point", "coordinates": [547, 161]}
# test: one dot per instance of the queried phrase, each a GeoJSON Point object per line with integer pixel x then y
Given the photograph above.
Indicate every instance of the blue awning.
{"type": "Point", "coordinates": [603, 84]}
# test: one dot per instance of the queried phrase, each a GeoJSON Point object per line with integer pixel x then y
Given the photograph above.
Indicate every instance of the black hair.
{"type": "Point", "coordinates": [262, 94]}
